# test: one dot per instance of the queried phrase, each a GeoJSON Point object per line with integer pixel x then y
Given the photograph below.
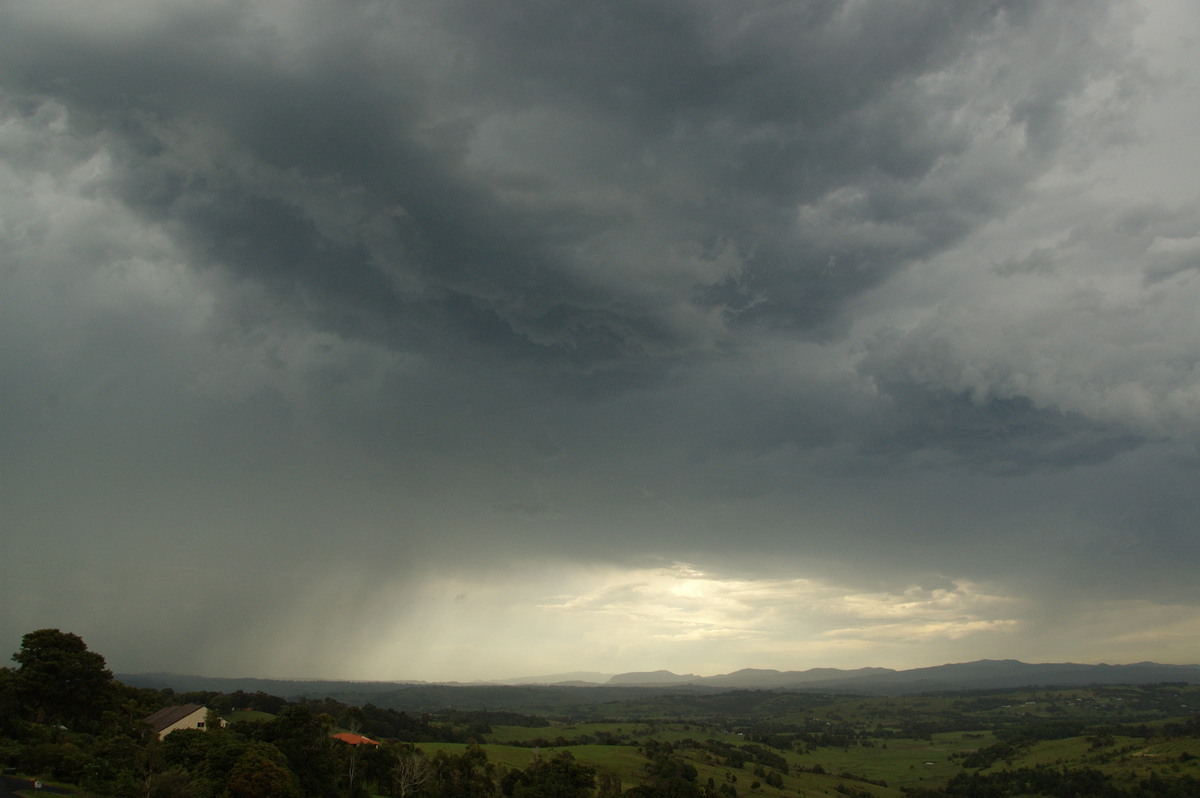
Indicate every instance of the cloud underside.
{"type": "Point", "coordinates": [315, 311]}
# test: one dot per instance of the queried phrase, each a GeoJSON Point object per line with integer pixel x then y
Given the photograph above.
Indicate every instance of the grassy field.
{"type": "Point", "coordinates": [856, 744]}
{"type": "Point", "coordinates": [247, 715]}
{"type": "Point", "coordinates": [902, 763]}
{"type": "Point", "coordinates": [791, 745]}
{"type": "Point", "coordinates": [630, 766]}
{"type": "Point", "coordinates": [1127, 760]}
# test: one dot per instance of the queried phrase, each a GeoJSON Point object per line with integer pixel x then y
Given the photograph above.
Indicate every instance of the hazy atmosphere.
{"type": "Point", "coordinates": [458, 340]}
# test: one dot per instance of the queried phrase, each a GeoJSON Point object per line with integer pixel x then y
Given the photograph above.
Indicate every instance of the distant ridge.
{"type": "Point", "coordinates": [983, 674]}
{"type": "Point", "coordinates": [978, 675]}
{"type": "Point", "coordinates": [764, 679]}
{"type": "Point", "coordinates": [655, 677]}
{"type": "Point", "coordinates": [227, 684]}
{"type": "Point", "coordinates": [574, 677]}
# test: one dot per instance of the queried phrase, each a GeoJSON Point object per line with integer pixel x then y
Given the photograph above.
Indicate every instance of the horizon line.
{"type": "Point", "coordinates": [664, 671]}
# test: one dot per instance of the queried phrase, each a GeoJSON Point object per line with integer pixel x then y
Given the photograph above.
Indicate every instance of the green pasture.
{"type": "Point", "coordinates": [623, 760]}
{"type": "Point", "coordinates": [1127, 759]}
{"type": "Point", "coordinates": [794, 784]}
{"type": "Point", "coordinates": [507, 755]}
{"type": "Point", "coordinates": [239, 715]}
{"type": "Point", "coordinates": [629, 733]}
{"type": "Point", "coordinates": [572, 731]}
{"type": "Point", "coordinates": [917, 760]}
{"type": "Point", "coordinates": [1173, 749]}
{"type": "Point", "coordinates": [902, 763]}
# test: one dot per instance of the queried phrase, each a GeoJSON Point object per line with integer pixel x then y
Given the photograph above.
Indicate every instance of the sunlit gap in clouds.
{"type": "Point", "coordinates": [676, 616]}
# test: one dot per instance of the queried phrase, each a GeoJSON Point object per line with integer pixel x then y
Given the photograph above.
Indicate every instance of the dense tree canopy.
{"type": "Point", "coordinates": [59, 680]}
{"type": "Point", "coordinates": [257, 775]}
{"type": "Point", "coordinates": [557, 777]}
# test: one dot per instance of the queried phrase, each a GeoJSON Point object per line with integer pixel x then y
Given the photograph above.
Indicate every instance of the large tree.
{"type": "Point", "coordinates": [258, 775]}
{"type": "Point", "coordinates": [558, 777]}
{"type": "Point", "coordinates": [60, 681]}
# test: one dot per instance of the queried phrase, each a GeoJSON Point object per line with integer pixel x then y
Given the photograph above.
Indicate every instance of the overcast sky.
{"type": "Point", "coordinates": [468, 339]}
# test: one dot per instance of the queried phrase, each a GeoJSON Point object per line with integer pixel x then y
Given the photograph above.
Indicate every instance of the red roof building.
{"type": "Point", "coordinates": [354, 739]}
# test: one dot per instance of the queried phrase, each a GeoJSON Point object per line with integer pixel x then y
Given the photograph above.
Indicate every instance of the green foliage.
{"type": "Point", "coordinates": [117, 765]}
{"type": "Point", "coordinates": [10, 708]}
{"type": "Point", "coordinates": [466, 775]}
{"type": "Point", "coordinates": [1028, 781]}
{"type": "Point", "coordinates": [304, 740]}
{"type": "Point", "coordinates": [397, 769]}
{"type": "Point", "coordinates": [60, 681]}
{"type": "Point", "coordinates": [1045, 730]}
{"type": "Point", "coordinates": [989, 755]}
{"type": "Point", "coordinates": [258, 775]}
{"type": "Point", "coordinates": [174, 783]}
{"type": "Point", "coordinates": [208, 756]}
{"type": "Point", "coordinates": [667, 775]}
{"type": "Point", "coordinates": [559, 776]}
{"type": "Point", "coordinates": [62, 761]}
{"type": "Point", "coordinates": [444, 726]}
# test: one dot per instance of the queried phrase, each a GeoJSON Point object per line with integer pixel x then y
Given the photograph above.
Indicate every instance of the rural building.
{"type": "Point", "coordinates": [354, 739]}
{"type": "Point", "coordinates": [187, 716]}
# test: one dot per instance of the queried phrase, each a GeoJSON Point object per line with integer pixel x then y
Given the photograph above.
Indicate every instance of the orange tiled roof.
{"type": "Point", "coordinates": [354, 739]}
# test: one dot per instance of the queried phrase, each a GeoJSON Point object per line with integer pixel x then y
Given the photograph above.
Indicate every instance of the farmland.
{"type": "Point", "coordinates": [795, 744]}
{"type": "Point", "coordinates": [66, 720]}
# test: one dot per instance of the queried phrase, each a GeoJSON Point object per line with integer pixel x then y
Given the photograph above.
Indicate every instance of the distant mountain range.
{"type": "Point", "coordinates": [654, 678]}
{"type": "Point", "coordinates": [982, 674]}
{"type": "Point", "coordinates": [979, 675]}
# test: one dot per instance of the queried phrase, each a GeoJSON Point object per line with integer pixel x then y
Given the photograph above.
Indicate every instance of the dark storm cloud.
{"type": "Point", "coordinates": [1005, 434]}
{"type": "Point", "coordinates": [445, 316]}
{"type": "Point", "coordinates": [339, 166]}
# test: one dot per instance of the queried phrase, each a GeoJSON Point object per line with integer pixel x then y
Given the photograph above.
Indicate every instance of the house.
{"type": "Point", "coordinates": [354, 739]}
{"type": "Point", "coordinates": [187, 716]}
